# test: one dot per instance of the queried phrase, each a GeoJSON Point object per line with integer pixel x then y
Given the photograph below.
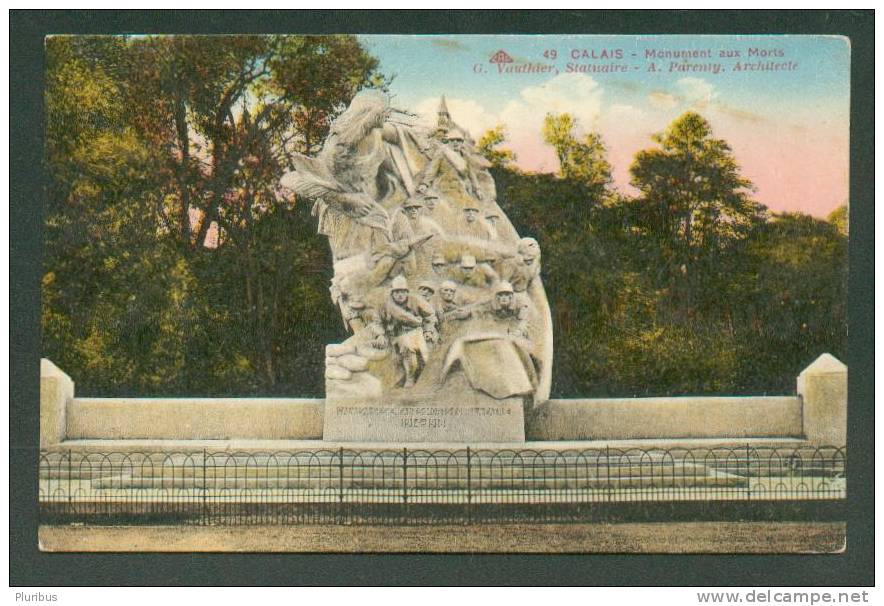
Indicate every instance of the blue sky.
{"type": "Point", "coordinates": [431, 65]}
{"type": "Point", "coordinates": [789, 129]}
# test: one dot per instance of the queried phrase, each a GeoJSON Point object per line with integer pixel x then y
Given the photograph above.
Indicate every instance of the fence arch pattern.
{"type": "Point", "coordinates": [403, 486]}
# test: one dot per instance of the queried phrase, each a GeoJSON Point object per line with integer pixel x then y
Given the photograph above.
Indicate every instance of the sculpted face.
{"type": "Point", "coordinates": [448, 294]}
{"type": "Point", "coordinates": [529, 250]}
{"type": "Point", "coordinates": [430, 203]}
{"type": "Point", "coordinates": [504, 300]}
{"type": "Point", "coordinates": [400, 296]}
{"type": "Point", "coordinates": [425, 292]}
{"type": "Point", "coordinates": [470, 214]}
{"type": "Point", "coordinates": [412, 212]}
{"type": "Point", "coordinates": [455, 144]}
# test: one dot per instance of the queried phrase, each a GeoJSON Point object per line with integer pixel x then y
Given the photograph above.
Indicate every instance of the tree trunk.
{"type": "Point", "coordinates": [183, 166]}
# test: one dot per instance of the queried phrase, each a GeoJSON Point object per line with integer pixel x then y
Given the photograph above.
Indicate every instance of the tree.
{"type": "Point", "coordinates": [790, 300]}
{"type": "Point", "coordinates": [489, 146]}
{"type": "Point", "coordinates": [224, 105]}
{"type": "Point", "coordinates": [155, 144]}
{"type": "Point", "coordinates": [584, 161]}
{"type": "Point", "coordinates": [840, 218]}
{"type": "Point", "coordinates": [694, 206]}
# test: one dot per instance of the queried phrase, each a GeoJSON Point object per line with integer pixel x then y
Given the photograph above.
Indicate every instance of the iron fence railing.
{"type": "Point", "coordinates": [403, 486]}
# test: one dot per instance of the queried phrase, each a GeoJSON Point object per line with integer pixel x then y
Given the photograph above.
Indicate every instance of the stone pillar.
{"type": "Point", "coordinates": [823, 390]}
{"type": "Point", "coordinates": [56, 388]}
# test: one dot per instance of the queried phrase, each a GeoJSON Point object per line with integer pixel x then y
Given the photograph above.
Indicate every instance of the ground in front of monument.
{"type": "Point", "coordinates": [636, 537]}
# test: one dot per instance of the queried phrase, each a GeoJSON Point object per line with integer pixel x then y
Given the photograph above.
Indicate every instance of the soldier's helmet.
{"type": "Point", "coordinates": [503, 287]}
{"type": "Point", "coordinates": [413, 202]}
{"type": "Point", "coordinates": [426, 285]}
{"type": "Point", "coordinates": [471, 206]}
{"type": "Point", "coordinates": [399, 283]}
{"type": "Point", "coordinates": [439, 259]}
{"type": "Point", "coordinates": [468, 261]}
{"type": "Point", "coordinates": [528, 244]}
{"type": "Point", "coordinates": [455, 134]}
{"type": "Point", "coordinates": [448, 285]}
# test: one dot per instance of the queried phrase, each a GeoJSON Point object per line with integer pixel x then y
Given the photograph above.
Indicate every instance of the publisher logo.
{"type": "Point", "coordinates": [500, 56]}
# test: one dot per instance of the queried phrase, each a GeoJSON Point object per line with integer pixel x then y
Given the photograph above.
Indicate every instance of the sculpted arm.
{"type": "Point", "coordinates": [428, 314]}
{"type": "Point", "coordinates": [491, 276]}
{"type": "Point", "coordinates": [459, 313]}
{"type": "Point", "coordinates": [523, 316]}
{"type": "Point", "coordinates": [404, 316]}
{"type": "Point", "coordinates": [389, 133]}
{"type": "Point", "coordinates": [428, 174]}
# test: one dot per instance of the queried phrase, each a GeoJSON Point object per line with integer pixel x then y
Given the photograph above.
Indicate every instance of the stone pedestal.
{"type": "Point", "coordinates": [56, 388]}
{"type": "Point", "coordinates": [455, 414]}
{"type": "Point", "coordinates": [823, 389]}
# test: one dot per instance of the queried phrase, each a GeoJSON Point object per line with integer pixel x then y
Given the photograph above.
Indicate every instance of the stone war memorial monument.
{"type": "Point", "coordinates": [451, 330]}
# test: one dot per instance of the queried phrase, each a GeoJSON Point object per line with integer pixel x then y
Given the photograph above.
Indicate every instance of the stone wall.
{"type": "Point", "coordinates": [194, 419]}
{"type": "Point", "coordinates": [667, 418]}
{"type": "Point", "coordinates": [818, 414]}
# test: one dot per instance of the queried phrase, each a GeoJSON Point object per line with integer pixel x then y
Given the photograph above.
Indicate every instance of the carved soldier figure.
{"type": "Point", "coordinates": [419, 223]}
{"type": "Point", "coordinates": [492, 216]}
{"type": "Point", "coordinates": [405, 320]}
{"type": "Point", "coordinates": [363, 321]}
{"type": "Point", "coordinates": [452, 153]}
{"type": "Point", "coordinates": [440, 266]}
{"type": "Point", "coordinates": [395, 258]}
{"type": "Point", "coordinates": [427, 292]}
{"type": "Point", "coordinates": [472, 224]}
{"type": "Point", "coordinates": [470, 273]}
{"type": "Point", "coordinates": [452, 305]}
{"type": "Point", "coordinates": [400, 226]}
{"type": "Point", "coordinates": [505, 309]}
{"type": "Point", "coordinates": [521, 270]}
{"type": "Point", "coordinates": [357, 315]}
{"type": "Point", "coordinates": [431, 201]}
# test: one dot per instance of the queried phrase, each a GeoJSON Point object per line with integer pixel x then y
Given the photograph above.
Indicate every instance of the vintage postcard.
{"type": "Point", "coordinates": [445, 293]}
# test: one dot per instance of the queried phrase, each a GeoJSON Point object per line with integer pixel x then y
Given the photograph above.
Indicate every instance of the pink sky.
{"type": "Point", "coordinates": [788, 125]}
{"type": "Point", "coordinates": [793, 169]}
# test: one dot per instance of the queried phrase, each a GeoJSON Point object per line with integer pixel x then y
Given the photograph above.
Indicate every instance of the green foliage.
{"type": "Point", "coordinates": [791, 303]}
{"type": "Point", "coordinates": [585, 161]}
{"type": "Point", "coordinates": [489, 146]}
{"type": "Point", "coordinates": [230, 110]}
{"type": "Point", "coordinates": [693, 213]}
{"type": "Point", "coordinates": [770, 304]}
{"type": "Point", "coordinates": [840, 218]}
{"type": "Point", "coordinates": [157, 146]}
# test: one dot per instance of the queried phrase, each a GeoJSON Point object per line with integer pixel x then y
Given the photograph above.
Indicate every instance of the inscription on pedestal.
{"type": "Point", "coordinates": [502, 421]}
